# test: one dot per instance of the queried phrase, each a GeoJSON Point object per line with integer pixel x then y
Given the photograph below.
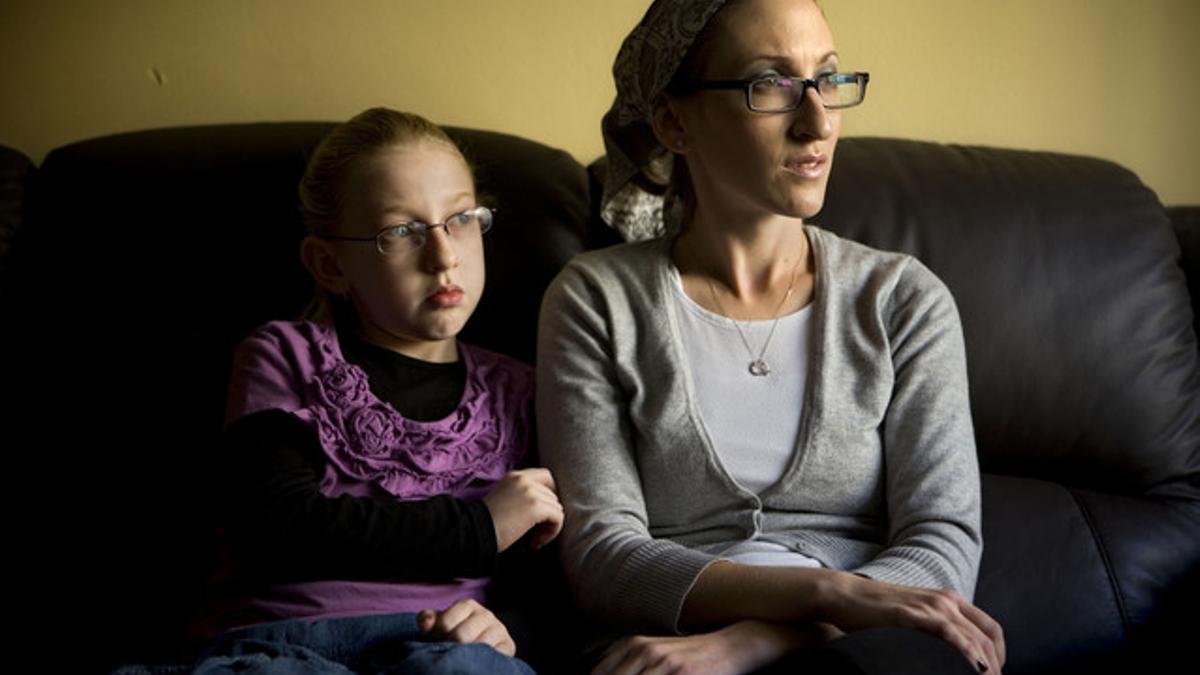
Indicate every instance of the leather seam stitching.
{"type": "Point", "coordinates": [1102, 549]}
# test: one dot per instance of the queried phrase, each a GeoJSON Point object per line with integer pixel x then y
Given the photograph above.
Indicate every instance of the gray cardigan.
{"type": "Point", "coordinates": [648, 502]}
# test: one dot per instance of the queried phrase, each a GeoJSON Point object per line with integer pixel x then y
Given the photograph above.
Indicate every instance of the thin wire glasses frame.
{"type": "Point", "coordinates": [410, 236]}
{"type": "Point", "coordinates": [780, 93]}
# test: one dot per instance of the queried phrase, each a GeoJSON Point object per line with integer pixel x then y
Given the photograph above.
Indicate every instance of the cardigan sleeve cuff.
{"type": "Point", "coordinates": [654, 582]}
{"type": "Point", "coordinates": [911, 566]}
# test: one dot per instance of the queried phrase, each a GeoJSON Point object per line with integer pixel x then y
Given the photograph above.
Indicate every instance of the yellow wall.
{"type": "Point", "coordinates": [1114, 78]}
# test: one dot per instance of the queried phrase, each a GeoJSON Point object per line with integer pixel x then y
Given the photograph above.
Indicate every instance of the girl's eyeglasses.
{"type": "Point", "coordinates": [404, 238]}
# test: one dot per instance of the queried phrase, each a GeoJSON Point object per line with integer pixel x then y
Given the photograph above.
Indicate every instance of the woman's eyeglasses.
{"type": "Point", "coordinates": [779, 93]}
{"type": "Point", "coordinates": [404, 238]}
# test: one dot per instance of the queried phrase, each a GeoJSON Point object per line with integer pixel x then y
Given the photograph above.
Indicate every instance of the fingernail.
{"type": "Point", "coordinates": [981, 665]}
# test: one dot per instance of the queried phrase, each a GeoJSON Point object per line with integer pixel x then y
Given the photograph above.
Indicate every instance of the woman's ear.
{"type": "Point", "coordinates": [668, 125]}
{"type": "Point", "coordinates": [323, 264]}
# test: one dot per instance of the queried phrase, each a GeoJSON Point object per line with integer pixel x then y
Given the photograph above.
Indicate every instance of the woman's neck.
{"type": "Point", "coordinates": [750, 263]}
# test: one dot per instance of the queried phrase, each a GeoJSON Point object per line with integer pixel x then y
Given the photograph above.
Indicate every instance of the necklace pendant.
{"type": "Point", "coordinates": [759, 368]}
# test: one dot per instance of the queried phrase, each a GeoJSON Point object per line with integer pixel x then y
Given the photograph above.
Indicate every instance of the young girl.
{"type": "Point", "coordinates": [370, 454]}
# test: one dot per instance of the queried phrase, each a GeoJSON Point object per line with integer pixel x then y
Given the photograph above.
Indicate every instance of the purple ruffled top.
{"type": "Point", "coordinates": [373, 450]}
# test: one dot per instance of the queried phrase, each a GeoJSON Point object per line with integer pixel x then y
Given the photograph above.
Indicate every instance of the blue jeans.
{"type": "Point", "coordinates": [376, 644]}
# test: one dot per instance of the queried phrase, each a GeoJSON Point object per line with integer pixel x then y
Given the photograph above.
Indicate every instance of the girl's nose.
{"type": "Point", "coordinates": [438, 252]}
{"type": "Point", "coordinates": [812, 118]}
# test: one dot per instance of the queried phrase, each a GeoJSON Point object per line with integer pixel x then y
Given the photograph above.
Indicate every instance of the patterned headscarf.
{"type": "Point", "coordinates": [645, 65]}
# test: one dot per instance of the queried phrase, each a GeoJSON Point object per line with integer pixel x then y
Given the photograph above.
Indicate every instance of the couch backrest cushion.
{"type": "Point", "coordinates": [1186, 220]}
{"type": "Point", "coordinates": [15, 173]}
{"type": "Point", "coordinates": [1081, 351]}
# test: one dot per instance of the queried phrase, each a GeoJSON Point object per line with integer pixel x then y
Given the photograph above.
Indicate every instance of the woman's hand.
{"type": "Point", "coordinates": [727, 591]}
{"type": "Point", "coordinates": [467, 621]}
{"type": "Point", "coordinates": [522, 501]}
{"type": "Point", "coordinates": [861, 602]}
{"type": "Point", "coordinates": [737, 648]}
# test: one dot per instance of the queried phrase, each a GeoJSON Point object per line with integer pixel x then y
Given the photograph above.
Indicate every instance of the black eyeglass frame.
{"type": "Point", "coordinates": [420, 229]}
{"type": "Point", "coordinates": [861, 77]}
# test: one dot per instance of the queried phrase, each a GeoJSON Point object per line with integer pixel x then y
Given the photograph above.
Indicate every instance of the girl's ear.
{"type": "Point", "coordinates": [323, 264]}
{"type": "Point", "coordinates": [668, 126]}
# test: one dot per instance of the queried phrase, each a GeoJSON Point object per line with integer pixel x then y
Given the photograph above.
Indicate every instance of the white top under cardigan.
{"type": "Point", "coordinates": [648, 503]}
{"type": "Point", "coordinates": [752, 421]}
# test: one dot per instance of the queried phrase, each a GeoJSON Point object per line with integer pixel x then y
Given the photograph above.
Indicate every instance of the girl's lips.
{"type": "Point", "coordinates": [446, 296]}
{"type": "Point", "coordinates": [808, 166]}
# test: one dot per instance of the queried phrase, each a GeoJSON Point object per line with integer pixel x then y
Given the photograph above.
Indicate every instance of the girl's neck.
{"type": "Point", "coordinates": [433, 351]}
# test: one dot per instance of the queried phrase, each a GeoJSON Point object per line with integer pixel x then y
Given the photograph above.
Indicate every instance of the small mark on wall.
{"type": "Point", "coordinates": [157, 75]}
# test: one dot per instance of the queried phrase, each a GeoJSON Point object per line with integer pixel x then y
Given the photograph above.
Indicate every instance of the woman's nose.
{"type": "Point", "coordinates": [438, 253]}
{"type": "Point", "coordinates": [812, 118]}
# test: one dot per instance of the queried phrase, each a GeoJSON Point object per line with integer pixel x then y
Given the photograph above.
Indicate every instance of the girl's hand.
{"type": "Point", "coordinates": [861, 602]}
{"type": "Point", "coordinates": [522, 501]}
{"type": "Point", "coordinates": [464, 622]}
{"type": "Point", "coordinates": [737, 648]}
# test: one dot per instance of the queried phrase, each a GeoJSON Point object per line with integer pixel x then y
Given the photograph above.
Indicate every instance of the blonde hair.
{"type": "Point", "coordinates": [323, 188]}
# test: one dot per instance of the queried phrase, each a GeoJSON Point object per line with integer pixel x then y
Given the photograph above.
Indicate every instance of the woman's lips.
{"type": "Point", "coordinates": [446, 296]}
{"type": "Point", "coordinates": [808, 166]}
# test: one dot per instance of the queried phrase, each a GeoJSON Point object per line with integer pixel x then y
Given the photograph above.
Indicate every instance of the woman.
{"type": "Point", "coordinates": [761, 431]}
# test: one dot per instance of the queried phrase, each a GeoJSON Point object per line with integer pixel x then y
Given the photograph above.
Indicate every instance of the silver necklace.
{"type": "Point", "coordinates": [758, 365]}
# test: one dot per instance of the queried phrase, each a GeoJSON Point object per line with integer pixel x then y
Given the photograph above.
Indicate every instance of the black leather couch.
{"type": "Point", "coordinates": [130, 266]}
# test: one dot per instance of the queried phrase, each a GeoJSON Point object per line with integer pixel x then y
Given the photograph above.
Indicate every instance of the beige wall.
{"type": "Point", "coordinates": [1114, 78]}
